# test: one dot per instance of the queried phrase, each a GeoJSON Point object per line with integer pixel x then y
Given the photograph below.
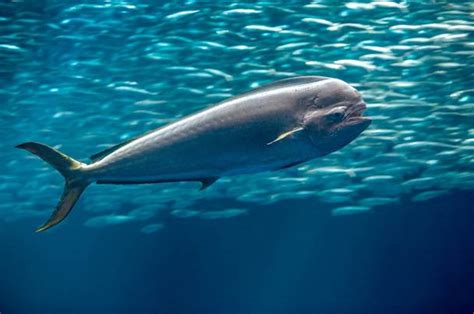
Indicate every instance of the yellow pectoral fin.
{"type": "Point", "coordinates": [285, 135]}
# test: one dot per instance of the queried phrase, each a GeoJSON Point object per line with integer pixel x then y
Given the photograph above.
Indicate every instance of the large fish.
{"type": "Point", "coordinates": [269, 128]}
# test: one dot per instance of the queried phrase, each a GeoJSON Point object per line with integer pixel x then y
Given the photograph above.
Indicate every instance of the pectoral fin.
{"type": "Point", "coordinates": [285, 135]}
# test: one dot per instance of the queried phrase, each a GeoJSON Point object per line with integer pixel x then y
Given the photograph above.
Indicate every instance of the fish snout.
{"type": "Point", "coordinates": [330, 134]}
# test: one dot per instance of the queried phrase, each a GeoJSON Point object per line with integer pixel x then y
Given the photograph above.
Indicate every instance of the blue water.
{"type": "Point", "coordinates": [381, 226]}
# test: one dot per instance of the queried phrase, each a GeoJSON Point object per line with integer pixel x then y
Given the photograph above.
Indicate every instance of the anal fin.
{"type": "Point", "coordinates": [290, 165]}
{"type": "Point", "coordinates": [205, 183]}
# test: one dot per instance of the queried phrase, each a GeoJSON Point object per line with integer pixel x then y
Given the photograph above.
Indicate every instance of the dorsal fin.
{"type": "Point", "coordinates": [98, 156]}
{"type": "Point", "coordinates": [288, 82]}
{"type": "Point", "coordinates": [278, 84]}
{"type": "Point", "coordinates": [108, 151]}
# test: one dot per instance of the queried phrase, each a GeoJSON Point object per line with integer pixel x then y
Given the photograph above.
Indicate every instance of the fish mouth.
{"type": "Point", "coordinates": [355, 116]}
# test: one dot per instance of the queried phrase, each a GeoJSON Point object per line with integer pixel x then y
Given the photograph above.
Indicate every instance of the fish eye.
{"type": "Point", "coordinates": [335, 116]}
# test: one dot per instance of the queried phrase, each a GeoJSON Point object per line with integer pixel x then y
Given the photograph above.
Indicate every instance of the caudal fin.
{"type": "Point", "coordinates": [74, 185]}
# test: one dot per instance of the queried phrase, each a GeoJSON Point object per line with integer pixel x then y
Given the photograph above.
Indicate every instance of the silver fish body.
{"type": "Point", "coordinates": [273, 127]}
{"type": "Point", "coordinates": [230, 138]}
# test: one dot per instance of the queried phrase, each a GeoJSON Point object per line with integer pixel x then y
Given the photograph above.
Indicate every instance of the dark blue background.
{"type": "Point", "coordinates": [288, 258]}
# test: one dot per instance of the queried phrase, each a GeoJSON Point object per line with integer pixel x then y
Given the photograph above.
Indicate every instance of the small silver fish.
{"type": "Point", "coordinates": [273, 127]}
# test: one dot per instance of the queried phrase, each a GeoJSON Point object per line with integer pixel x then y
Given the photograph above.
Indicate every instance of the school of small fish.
{"type": "Point", "coordinates": [82, 77]}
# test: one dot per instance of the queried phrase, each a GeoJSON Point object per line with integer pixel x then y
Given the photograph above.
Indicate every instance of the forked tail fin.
{"type": "Point", "coordinates": [74, 185]}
